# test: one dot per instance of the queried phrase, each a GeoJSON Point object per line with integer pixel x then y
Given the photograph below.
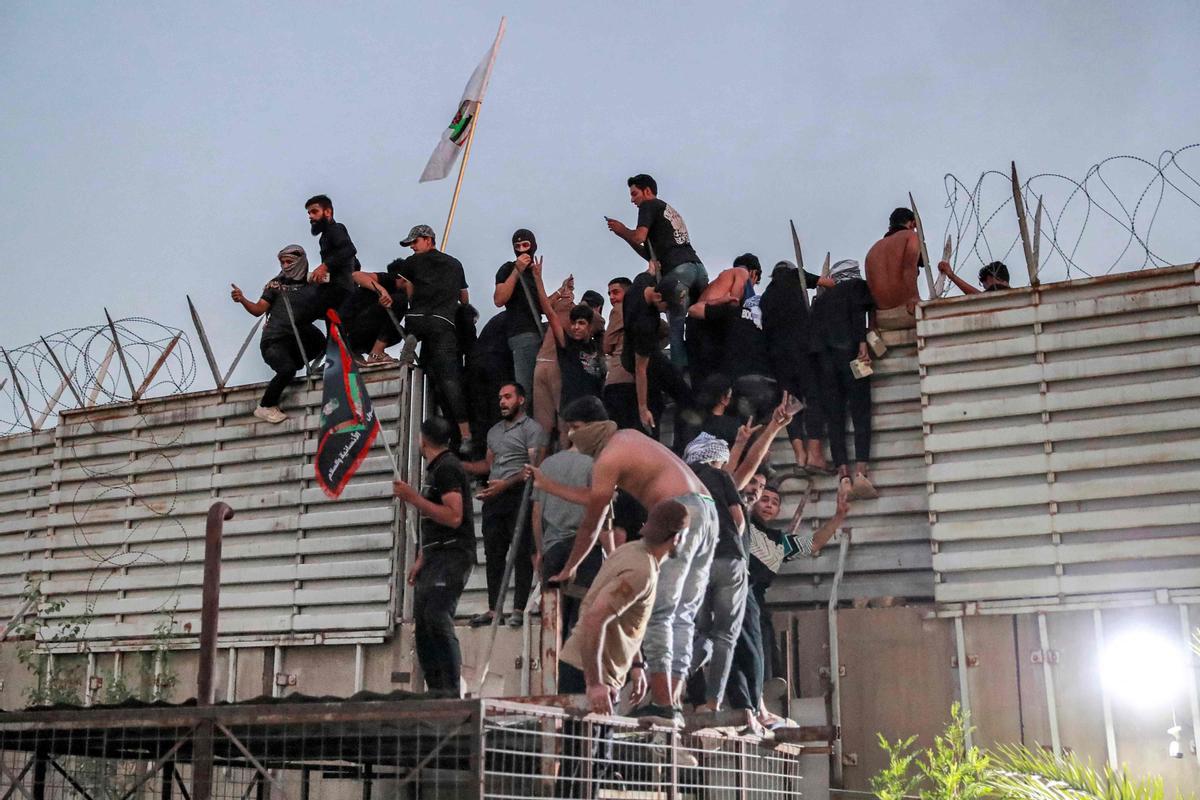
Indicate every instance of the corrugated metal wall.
{"type": "Point", "coordinates": [889, 552]}
{"type": "Point", "coordinates": [122, 494]}
{"type": "Point", "coordinates": [1063, 434]}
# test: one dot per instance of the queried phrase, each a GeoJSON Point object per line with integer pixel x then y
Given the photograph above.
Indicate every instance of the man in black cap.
{"type": "Point", "coordinates": [517, 293]}
{"type": "Point", "coordinates": [436, 286]}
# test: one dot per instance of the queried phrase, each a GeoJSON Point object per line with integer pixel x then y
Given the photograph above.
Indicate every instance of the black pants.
{"type": "Point", "coordinates": [576, 752]}
{"type": "Point", "coordinates": [368, 322]}
{"type": "Point", "coordinates": [484, 377]}
{"type": "Point", "coordinates": [440, 583]}
{"type": "Point", "coordinates": [554, 558]}
{"type": "Point", "coordinates": [620, 400]}
{"type": "Point", "coordinates": [706, 347]}
{"type": "Point", "coordinates": [499, 521]}
{"type": "Point", "coordinates": [439, 356]}
{"type": "Point", "coordinates": [744, 690]}
{"type": "Point", "coordinates": [283, 356]}
{"type": "Point", "coordinates": [798, 377]}
{"type": "Point", "coordinates": [839, 389]}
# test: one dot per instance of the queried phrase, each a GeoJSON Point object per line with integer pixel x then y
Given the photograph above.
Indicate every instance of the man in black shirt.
{"type": "Point", "coordinates": [339, 256]}
{"type": "Point", "coordinates": [580, 357]}
{"type": "Point", "coordinates": [444, 558]}
{"type": "Point", "coordinates": [368, 327]}
{"type": "Point", "coordinates": [720, 619]}
{"type": "Point", "coordinates": [436, 285]}
{"type": "Point", "coordinates": [838, 335]}
{"type": "Point", "coordinates": [661, 237]}
{"type": "Point", "coordinates": [517, 293]}
{"type": "Point", "coordinates": [489, 366]}
{"type": "Point", "coordinates": [785, 326]}
{"type": "Point", "coordinates": [287, 298]}
{"type": "Point", "coordinates": [641, 353]}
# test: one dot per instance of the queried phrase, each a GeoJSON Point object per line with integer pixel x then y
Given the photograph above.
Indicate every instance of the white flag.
{"type": "Point", "coordinates": [457, 133]}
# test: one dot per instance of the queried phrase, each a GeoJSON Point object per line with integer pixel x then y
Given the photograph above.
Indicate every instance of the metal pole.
{"type": "Point", "coordinates": [20, 391]}
{"type": "Point", "coordinates": [509, 564]}
{"type": "Point", "coordinates": [924, 249]}
{"type": "Point", "coordinates": [202, 753]}
{"type": "Point", "coordinates": [834, 665]}
{"type": "Point", "coordinates": [208, 353]}
{"type": "Point", "coordinates": [162, 359]}
{"type": "Point", "coordinates": [121, 354]}
{"type": "Point", "coordinates": [241, 351]}
{"type": "Point", "coordinates": [1048, 677]}
{"type": "Point", "coordinates": [799, 263]}
{"type": "Point", "coordinates": [1110, 735]}
{"type": "Point", "coordinates": [101, 374]}
{"type": "Point", "coordinates": [62, 371]}
{"type": "Point", "coordinates": [1023, 224]}
{"type": "Point", "coordinates": [1186, 629]}
{"type": "Point", "coordinates": [964, 691]}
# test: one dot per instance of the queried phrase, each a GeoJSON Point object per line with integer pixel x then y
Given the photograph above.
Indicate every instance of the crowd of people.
{"type": "Point", "coordinates": [662, 550]}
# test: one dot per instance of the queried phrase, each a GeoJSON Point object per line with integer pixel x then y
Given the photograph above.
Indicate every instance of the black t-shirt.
{"type": "Point", "coordinates": [785, 317]}
{"type": "Point", "coordinates": [641, 321]}
{"type": "Point", "coordinates": [582, 367]}
{"type": "Point", "coordinates": [437, 280]}
{"type": "Point", "coordinates": [720, 485]}
{"type": "Point", "coordinates": [839, 317]}
{"type": "Point", "coordinates": [445, 475]}
{"type": "Point", "coordinates": [520, 316]}
{"type": "Point", "coordinates": [745, 342]}
{"type": "Point", "coordinates": [666, 233]}
{"type": "Point", "coordinates": [305, 302]}
{"type": "Point", "coordinates": [493, 339]}
{"type": "Point", "coordinates": [339, 254]}
{"type": "Point", "coordinates": [722, 426]}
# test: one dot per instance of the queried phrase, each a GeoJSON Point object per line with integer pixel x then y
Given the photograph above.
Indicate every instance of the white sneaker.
{"type": "Point", "coordinates": [270, 414]}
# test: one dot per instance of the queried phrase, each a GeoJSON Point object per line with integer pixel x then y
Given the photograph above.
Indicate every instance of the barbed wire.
{"type": "Point", "coordinates": [1083, 219]}
{"type": "Point", "coordinates": [34, 391]}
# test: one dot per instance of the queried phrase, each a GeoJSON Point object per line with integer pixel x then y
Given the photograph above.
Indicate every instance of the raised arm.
{"type": "Point", "coordinates": [945, 268]}
{"type": "Point", "coordinates": [556, 325]}
{"type": "Point", "coordinates": [257, 308]}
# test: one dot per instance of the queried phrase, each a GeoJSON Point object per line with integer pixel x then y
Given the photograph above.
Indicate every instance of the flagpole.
{"type": "Point", "coordinates": [462, 167]}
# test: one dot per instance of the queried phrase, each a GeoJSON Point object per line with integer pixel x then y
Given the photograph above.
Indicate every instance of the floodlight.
{"type": "Point", "coordinates": [1143, 668]}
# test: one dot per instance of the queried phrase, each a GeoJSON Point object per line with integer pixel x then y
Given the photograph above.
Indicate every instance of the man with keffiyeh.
{"type": "Point", "coordinates": [289, 337]}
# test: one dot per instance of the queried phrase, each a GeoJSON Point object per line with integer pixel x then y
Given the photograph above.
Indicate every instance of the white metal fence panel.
{"type": "Point", "coordinates": [1063, 437]}
{"type": "Point", "coordinates": [121, 501]}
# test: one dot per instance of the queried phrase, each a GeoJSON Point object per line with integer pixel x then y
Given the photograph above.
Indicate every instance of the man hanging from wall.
{"type": "Point", "coordinates": [992, 277]}
{"type": "Point", "coordinates": [291, 304]}
{"type": "Point", "coordinates": [445, 555]}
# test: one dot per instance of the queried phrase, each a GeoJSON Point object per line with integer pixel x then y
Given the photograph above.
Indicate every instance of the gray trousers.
{"type": "Point", "coordinates": [681, 587]}
{"type": "Point", "coordinates": [719, 622]}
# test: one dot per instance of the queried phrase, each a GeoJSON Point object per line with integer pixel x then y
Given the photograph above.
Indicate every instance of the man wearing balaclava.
{"type": "Point", "coordinates": [289, 337]}
{"type": "Point", "coordinates": [517, 293]}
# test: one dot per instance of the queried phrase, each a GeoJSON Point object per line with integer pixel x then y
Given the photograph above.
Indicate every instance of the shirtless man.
{"type": "Point", "coordinates": [651, 473]}
{"type": "Point", "coordinates": [892, 272]}
{"type": "Point", "coordinates": [707, 333]}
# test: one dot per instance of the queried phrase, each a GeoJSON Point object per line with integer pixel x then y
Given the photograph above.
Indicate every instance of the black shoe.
{"type": "Point", "coordinates": [480, 620]}
{"type": "Point", "coordinates": [672, 713]}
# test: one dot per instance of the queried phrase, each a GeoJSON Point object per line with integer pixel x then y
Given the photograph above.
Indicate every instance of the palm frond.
{"type": "Point", "coordinates": [1023, 773]}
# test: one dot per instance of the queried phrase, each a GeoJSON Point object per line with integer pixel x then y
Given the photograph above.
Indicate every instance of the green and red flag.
{"type": "Point", "coordinates": [348, 421]}
{"type": "Point", "coordinates": [458, 132]}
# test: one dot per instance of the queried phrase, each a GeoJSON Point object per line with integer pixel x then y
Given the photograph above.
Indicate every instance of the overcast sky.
{"type": "Point", "coordinates": [149, 150]}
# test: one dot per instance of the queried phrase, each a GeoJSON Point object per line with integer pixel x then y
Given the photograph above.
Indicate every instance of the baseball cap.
{"type": "Point", "coordinates": [665, 520]}
{"type": "Point", "coordinates": [416, 232]}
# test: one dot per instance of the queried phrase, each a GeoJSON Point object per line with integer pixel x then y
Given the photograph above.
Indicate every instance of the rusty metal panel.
{"type": "Point", "coordinates": [1062, 431]}
{"type": "Point", "coordinates": [889, 554]}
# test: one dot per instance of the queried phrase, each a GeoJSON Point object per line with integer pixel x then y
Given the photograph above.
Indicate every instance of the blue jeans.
{"type": "Point", "coordinates": [719, 622]}
{"type": "Point", "coordinates": [682, 583]}
{"type": "Point", "coordinates": [680, 288]}
{"type": "Point", "coordinates": [524, 347]}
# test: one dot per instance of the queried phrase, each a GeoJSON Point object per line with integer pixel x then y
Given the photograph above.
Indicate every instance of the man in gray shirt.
{"type": "Point", "coordinates": [513, 442]}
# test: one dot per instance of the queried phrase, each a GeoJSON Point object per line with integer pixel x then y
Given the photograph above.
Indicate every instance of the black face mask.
{"type": "Point", "coordinates": [524, 235]}
{"type": "Point", "coordinates": [319, 226]}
